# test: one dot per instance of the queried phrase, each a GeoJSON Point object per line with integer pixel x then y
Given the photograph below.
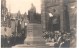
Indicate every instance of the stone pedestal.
{"type": "Point", "coordinates": [34, 35]}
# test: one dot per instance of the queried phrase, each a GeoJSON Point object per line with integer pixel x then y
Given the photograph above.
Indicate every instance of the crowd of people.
{"type": "Point", "coordinates": [61, 39]}
{"type": "Point", "coordinates": [12, 40]}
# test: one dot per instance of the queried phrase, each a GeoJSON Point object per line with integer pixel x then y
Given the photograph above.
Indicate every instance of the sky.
{"type": "Point", "coordinates": [23, 5]}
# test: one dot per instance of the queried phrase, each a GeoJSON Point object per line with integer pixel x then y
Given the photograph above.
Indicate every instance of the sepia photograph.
{"type": "Point", "coordinates": [38, 23]}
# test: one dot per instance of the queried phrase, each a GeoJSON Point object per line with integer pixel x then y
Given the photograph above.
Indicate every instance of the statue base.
{"type": "Point", "coordinates": [34, 35]}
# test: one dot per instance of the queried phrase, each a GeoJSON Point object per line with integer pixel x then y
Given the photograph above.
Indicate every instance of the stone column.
{"type": "Point", "coordinates": [61, 18]}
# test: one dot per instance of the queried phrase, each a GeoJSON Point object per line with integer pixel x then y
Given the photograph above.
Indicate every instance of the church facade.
{"type": "Point", "coordinates": [57, 13]}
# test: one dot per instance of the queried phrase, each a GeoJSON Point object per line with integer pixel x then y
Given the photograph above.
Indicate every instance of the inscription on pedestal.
{"type": "Point", "coordinates": [34, 35]}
